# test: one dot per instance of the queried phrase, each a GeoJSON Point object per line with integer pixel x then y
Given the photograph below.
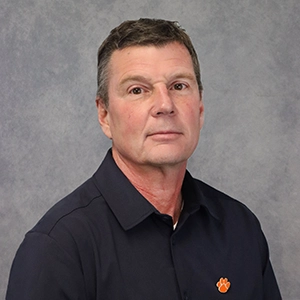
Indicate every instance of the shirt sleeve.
{"type": "Point", "coordinates": [270, 287]}
{"type": "Point", "coordinates": [43, 270]}
{"type": "Point", "coordinates": [271, 290]}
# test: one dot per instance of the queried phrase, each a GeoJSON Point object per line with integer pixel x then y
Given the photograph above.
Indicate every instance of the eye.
{"type": "Point", "coordinates": [179, 86]}
{"type": "Point", "coordinates": [136, 91]}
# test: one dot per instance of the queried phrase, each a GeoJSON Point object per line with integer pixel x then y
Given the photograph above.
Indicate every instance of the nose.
{"type": "Point", "coordinates": [163, 102]}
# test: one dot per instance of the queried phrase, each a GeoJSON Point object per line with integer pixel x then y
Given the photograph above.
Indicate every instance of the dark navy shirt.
{"type": "Point", "coordinates": [105, 241]}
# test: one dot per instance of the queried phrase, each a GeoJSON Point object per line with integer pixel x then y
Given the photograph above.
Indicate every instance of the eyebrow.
{"type": "Point", "coordinates": [141, 78]}
{"type": "Point", "coordinates": [187, 75]}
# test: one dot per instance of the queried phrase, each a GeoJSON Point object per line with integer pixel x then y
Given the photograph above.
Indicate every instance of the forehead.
{"type": "Point", "coordinates": [150, 59]}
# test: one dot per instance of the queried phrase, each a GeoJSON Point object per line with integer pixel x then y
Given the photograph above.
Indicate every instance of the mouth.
{"type": "Point", "coordinates": [164, 135]}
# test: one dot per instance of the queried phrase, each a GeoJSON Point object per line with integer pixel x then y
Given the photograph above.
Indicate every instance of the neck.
{"type": "Point", "coordinates": [161, 186]}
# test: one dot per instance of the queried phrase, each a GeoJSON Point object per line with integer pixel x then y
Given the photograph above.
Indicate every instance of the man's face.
{"type": "Point", "coordinates": [155, 109]}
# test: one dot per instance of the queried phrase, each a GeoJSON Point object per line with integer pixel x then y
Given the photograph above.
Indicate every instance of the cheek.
{"type": "Point", "coordinates": [193, 113]}
{"type": "Point", "coordinates": [126, 122]}
{"type": "Point", "coordinates": [193, 119]}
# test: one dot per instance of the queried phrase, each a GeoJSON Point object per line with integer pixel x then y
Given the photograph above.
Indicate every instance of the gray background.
{"type": "Point", "coordinates": [51, 141]}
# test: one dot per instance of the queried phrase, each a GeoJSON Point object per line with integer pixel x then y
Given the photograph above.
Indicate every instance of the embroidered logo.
{"type": "Point", "coordinates": [223, 285]}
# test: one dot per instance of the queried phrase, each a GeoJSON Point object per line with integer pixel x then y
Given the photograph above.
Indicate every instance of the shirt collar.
{"type": "Point", "coordinates": [127, 204]}
{"type": "Point", "coordinates": [197, 194]}
{"type": "Point", "coordinates": [131, 208]}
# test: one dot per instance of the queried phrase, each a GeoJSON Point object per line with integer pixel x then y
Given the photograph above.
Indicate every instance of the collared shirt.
{"type": "Point", "coordinates": [105, 241]}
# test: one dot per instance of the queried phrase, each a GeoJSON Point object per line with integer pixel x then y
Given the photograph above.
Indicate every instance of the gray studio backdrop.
{"type": "Point", "coordinates": [51, 141]}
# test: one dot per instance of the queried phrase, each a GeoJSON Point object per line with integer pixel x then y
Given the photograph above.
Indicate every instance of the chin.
{"type": "Point", "coordinates": [172, 153]}
{"type": "Point", "coordinates": [168, 159]}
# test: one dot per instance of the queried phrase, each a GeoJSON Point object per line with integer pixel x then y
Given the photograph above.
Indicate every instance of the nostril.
{"type": "Point", "coordinates": [165, 112]}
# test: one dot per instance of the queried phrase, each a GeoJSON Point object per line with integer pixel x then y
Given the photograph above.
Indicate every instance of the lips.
{"type": "Point", "coordinates": [161, 132]}
{"type": "Point", "coordinates": [164, 134]}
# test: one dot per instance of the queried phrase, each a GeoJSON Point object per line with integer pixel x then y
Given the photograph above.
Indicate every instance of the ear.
{"type": "Point", "coordinates": [103, 117]}
{"type": "Point", "coordinates": [201, 109]}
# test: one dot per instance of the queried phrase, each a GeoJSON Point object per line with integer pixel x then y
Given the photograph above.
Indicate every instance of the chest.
{"type": "Point", "coordinates": [154, 262]}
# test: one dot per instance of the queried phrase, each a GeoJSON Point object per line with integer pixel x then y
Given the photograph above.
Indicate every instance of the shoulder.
{"type": "Point", "coordinates": [68, 228]}
{"type": "Point", "coordinates": [74, 207]}
{"type": "Point", "coordinates": [229, 210]}
{"type": "Point", "coordinates": [237, 221]}
{"type": "Point", "coordinates": [219, 198]}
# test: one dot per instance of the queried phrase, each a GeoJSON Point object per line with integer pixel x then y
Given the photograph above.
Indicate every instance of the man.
{"type": "Point", "coordinates": [142, 228]}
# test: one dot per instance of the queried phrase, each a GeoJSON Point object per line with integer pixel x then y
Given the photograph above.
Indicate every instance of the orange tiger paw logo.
{"type": "Point", "coordinates": [223, 285]}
